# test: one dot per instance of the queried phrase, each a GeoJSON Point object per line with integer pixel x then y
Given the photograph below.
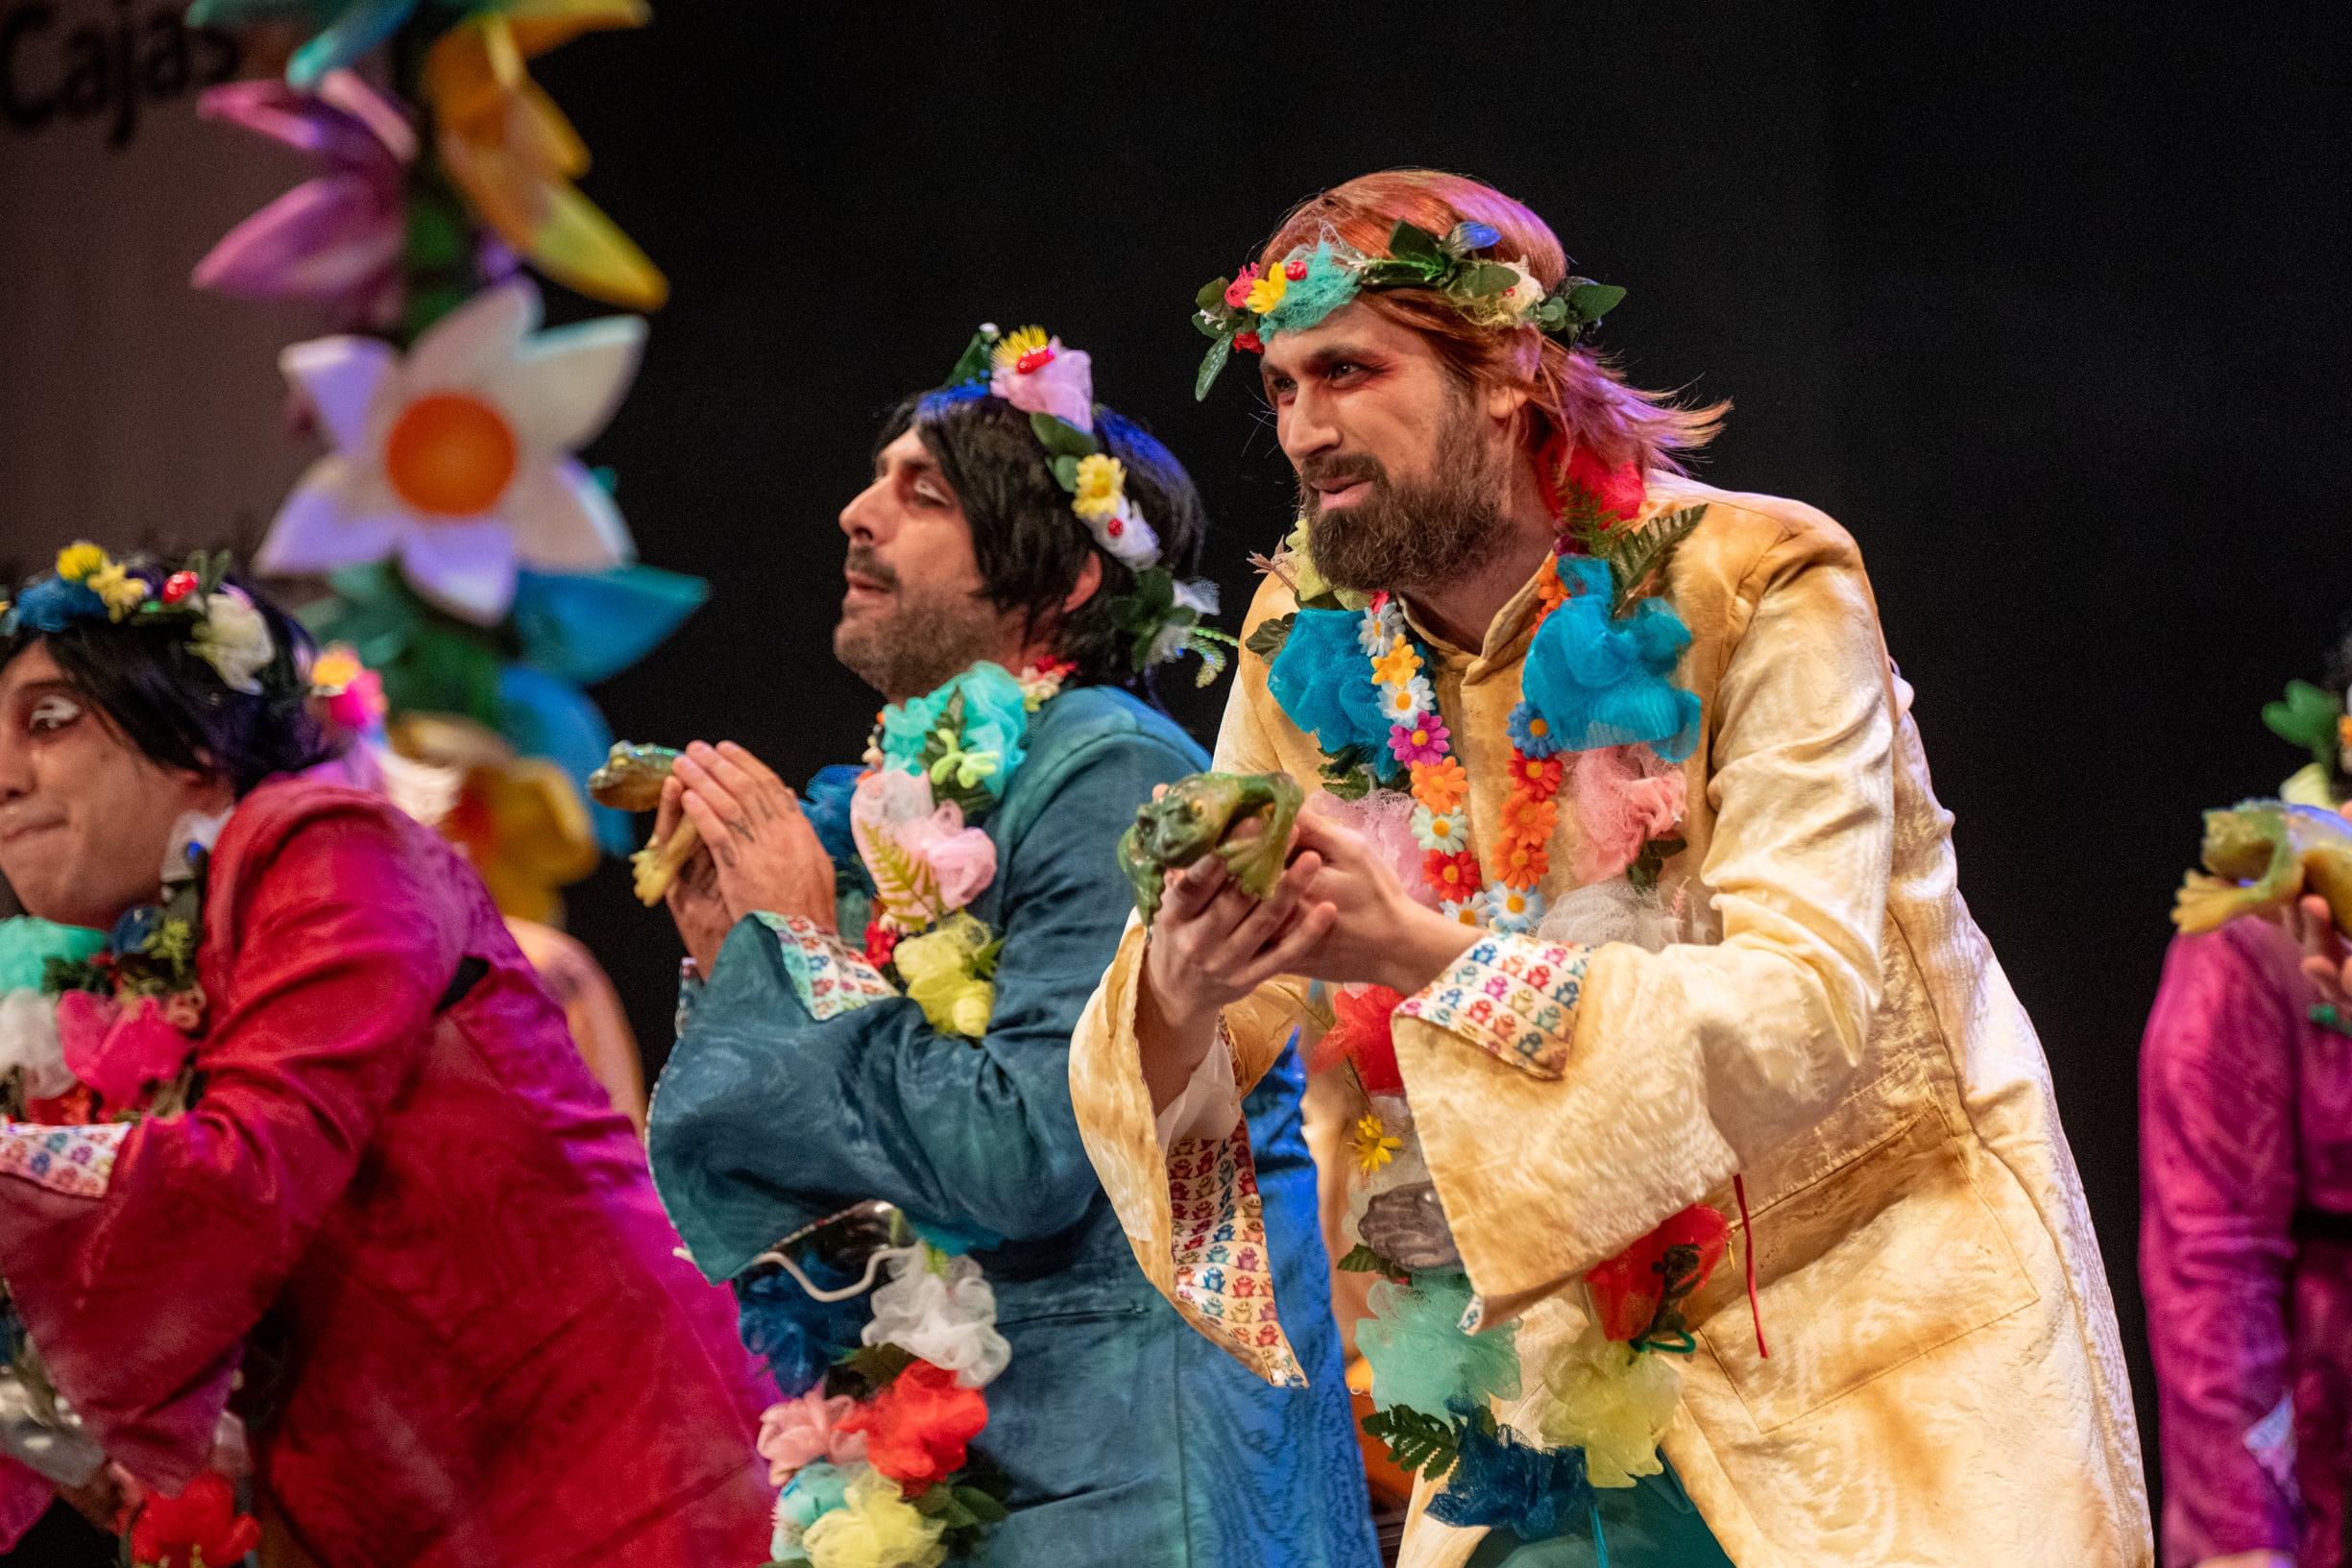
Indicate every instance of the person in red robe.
{"type": "Point", "coordinates": [397, 1203]}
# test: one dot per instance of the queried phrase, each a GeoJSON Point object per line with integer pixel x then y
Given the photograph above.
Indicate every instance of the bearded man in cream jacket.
{"type": "Point", "coordinates": [1626, 888]}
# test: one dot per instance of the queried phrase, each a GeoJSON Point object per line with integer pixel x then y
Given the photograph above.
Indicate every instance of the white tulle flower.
{"type": "Point", "coordinates": [29, 1041]}
{"type": "Point", "coordinates": [948, 1318]}
{"type": "Point", "coordinates": [457, 456]}
{"type": "Point", "coordinates": [234, 639]}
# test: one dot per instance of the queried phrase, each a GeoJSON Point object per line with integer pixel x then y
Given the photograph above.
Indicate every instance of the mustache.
{"type": "Point", "coordinates": [1337, 468]}
{"type": "Point", "coordinates": [867, 564]}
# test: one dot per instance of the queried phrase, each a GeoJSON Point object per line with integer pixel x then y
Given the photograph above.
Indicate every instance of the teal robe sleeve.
{"type": "Point", "coordinates": [767, 1118]}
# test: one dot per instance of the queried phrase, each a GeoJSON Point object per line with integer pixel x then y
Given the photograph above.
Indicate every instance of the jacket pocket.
{"type": "Point", "coordinates": [1871, 1265]}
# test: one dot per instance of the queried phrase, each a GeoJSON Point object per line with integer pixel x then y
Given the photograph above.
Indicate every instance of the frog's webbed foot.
{"type": "Point", "coordinates": [1255, 862]}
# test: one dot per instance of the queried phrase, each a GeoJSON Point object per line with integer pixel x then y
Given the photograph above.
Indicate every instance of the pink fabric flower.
{"type": "Point", "coordinates": [1618, 490]}
{"type": "Point", "coordinates": [1421, 740]}
{"type": "Point", "coordinates": [336, 238]}
{"type": "Point", "coordinates": [1625, 797]}
{"type": "Point", "coordinates": [962, 859]}
{"type": "Point", "coordinates": [1063, 386]}
{"type": "Point", "coordinates": [1384, 819]}
{"type": "Point", "coordinates": [1237, 292]}
{"type": "Point", "coordinates": [801, 1431]}
{"type": "Point", "coordinates": [117, 1049]}
{"type": "Point", "coordinates": [360, 705]}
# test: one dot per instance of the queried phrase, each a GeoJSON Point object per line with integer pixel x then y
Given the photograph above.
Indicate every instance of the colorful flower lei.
{"type": "Point", "coordinates": [1315, 280]}
{"type": "Point", "coordinates": [873, 1460]}
{"type": "Point", "coordinates": [934, 764]}
{"type": "Point", "coordinates": [1163, 616]}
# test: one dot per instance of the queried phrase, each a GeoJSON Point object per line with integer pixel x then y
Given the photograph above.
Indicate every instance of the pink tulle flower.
{"type": "Point", "coordinates": [1063, 386]}
{"type": "Point", "coordinates": [117, 1049]}
{"type": "Point", "coordinates": [359, 705]}
{"type": "Point", "coordinates": [924, 861]}
{"type": "Point", "coordinates": [1420, 739]}
{"type": "Point", "coordinates": [963, 859]}
{"type": "Point", "coordinates": [336, 238]}
{"type": "Point", "coordinates": [801, 1431]}
{"type": "Point", "coordinates": [1384, 819]}
{"type": "Point", "coordinates": [1237, 292]}
{"type": "Point", "coordinates": [1625, 797]}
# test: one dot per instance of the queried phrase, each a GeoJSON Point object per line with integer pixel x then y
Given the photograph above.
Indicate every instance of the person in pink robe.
{"type": "Point", "coordinates": [2245, 1251]}
{"type": "Point", "coordinates": [400, 1205]}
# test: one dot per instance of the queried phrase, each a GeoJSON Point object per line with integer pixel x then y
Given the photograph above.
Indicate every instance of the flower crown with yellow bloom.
{"type": "Point", "coordinates": [225, 629]}
{"type": "Point", "coordinates": [1314, 281]}
{"type": "Point", "coordinates": [1055, 386]}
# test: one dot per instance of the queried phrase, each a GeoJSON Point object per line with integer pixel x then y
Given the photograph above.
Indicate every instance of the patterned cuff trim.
{"type": "Point", "coordinates": [76, 1161]}
{"type": "Point", "coordinates": [1225, 1280]}
{"type": "Point", "coordinates": [828, 976]}
{"type": "Point", "coordinates": [1513, 997]}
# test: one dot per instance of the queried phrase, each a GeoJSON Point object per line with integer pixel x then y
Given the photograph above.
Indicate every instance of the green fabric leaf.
{"type": "Point", "coordinates": [975, 363]}
{"type": "Point", "coordinates": [1211, 363]}
{"type": "Point", "coordinates": [2307, 718]}
{"type": "Point", "coordinates": [1363, 1260]}
{"type": "Point", "coordinates": [1271, 633]}
{"type": "Point", "coordinates": [1593, 301]}
{"type": "Point", "coordinates": [869, 1369]}
{"type": "Point", "coordinates": [982, 1506]}
{"type": "Point", "coordinates": [1212, 294]}
{"type": "Point", "coordinates": [1065, 472]}
{"type": "Point", "coordinates": [1061, 438]}
{"type": "Point", "coordinates": [1411, 241]}
{"type": "Point", "coordinates": [1482, 278]}
{"type": "Point", "coordinates": [1644, 872]}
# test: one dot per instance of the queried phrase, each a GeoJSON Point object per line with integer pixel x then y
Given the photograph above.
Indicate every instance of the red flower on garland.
{"type": "Point", "coordinates": [201, 1526]}
{"type": "Point", "coordinates": [1362, 1035]}
{"type": "Point", "coordinates": [1618, 490]}
{"type": "Point", "coordinates": [1626, 1288]}
{"type": "Point", "coordinates": [916, 1429]}
{"type": "Point", "coordinates": [1454, 877]}
{"type": "Point", "coordinates": [1538, 777]}
{"type": "Point", "coordinates": [881, 941]}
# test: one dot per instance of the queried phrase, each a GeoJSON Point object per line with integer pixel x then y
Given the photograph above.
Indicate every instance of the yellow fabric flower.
{"type": "Point", "coordinates": [513, 154]}
{"type": "Point", "coordinates": [1102, 480]}
{"type": "Point", "coordinates": [1397, 665]}
{"type": "Point", "coordinates": [78, 561]}
{"type": "Point", "coordinates": [1375, 1147]}
{"type": "Point", "coordinates": [336, 667]}
{"type": "Point", "coordinates": [1266, 292]}
{"type": "Point", "coordinates": [1613, 1401]}
{"type": "Point", "coordinates": [875, 1528]}
{"type": "Point", "coordinates": [941, 971]}
{"type": "Point", "coordinates": [121, 592]}
{"type": "Point", "coordinates": [1008, 349]}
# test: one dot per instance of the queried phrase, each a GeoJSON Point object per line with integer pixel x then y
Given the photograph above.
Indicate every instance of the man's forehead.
{"type": "Point", "coordinates": [906, 450]}
{"type": "Point", "coordinates": [31, 668]}
{"type": "Point", "coordinates": [1352, 330]}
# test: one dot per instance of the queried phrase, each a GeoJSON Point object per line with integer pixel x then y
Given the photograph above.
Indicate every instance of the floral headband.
{"type": "Point", "coordinates": [1314, 281]}
{"type": "Point", "coordinates": [1055, 386]}
{"type": "Point", "coordinates": [225, 630]}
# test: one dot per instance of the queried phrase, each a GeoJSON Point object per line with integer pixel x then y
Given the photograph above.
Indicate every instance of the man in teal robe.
{"type": "Point", "coordinates": [1122, 1437]}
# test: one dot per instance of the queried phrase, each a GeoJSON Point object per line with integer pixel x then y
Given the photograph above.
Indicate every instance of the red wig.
{"type": "Point", "coordinates": [1575, 400]}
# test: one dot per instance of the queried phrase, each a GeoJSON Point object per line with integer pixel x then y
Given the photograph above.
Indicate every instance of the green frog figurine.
{"type": "Point", "coordinates": [1199, 814]}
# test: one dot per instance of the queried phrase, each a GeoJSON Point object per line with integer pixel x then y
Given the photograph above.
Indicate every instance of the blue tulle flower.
{"type": "Point", "coordinates": [135, 929]}
{"type": "Point", "coordinates": [1324, 684]}
{"type": "Point", "coordinates": [1327, 287]}
{"type": "Point", "coordinates": [826, 804]}
{"type": "Point", "coordinates": [814, 1492]}
{"type": "Point", "coordinates": [797, 1335]}
{"type": "Point", "coordinates": [995, 718]}
{"type": "Point", "coordinates": [1420, 1357]}
{"type": "Point", "coordinates": [1525, 736]}
{"type": "Point", "coordinates": [54, 604]}
{"type": "Point", "coordinates": [1599, 682]}
{"type": "Point", "coordinates": [1502, 1480]}
{"type": "Point", "coordinates": [28, 943]}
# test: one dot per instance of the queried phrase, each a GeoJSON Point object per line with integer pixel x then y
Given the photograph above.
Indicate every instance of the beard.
{"type": "Point", "coordinates": [1410, 537]}
{"type": "Point", "coordinates": [917, 642]}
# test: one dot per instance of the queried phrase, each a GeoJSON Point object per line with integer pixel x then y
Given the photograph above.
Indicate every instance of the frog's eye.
{"type": "Point", "coordinates": [1199, 809]}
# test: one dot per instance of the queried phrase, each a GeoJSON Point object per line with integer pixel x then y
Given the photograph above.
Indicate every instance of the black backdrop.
{"type": "Point", "coordinates": [2047, 308]}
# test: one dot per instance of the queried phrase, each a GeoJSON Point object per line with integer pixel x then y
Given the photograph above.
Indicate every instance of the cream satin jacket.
{"type": "Point", "coordinates": [1945, 1382]}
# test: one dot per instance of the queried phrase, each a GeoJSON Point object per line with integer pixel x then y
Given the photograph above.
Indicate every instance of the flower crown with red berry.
{"type": "Point", "coordinates": [225, 629]}
{"type": "Point", "coordinates": [1314, 281]}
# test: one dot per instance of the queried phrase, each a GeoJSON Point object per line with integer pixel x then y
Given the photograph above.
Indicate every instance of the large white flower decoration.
{"type": "Point", "coordinates": [457, 456]}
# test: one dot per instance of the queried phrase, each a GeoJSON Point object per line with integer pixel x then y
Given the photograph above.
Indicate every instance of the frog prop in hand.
{"type": "Point", "coordinates": [631, 779]}
{"type": "Point", "coordinates": [1199, 815]}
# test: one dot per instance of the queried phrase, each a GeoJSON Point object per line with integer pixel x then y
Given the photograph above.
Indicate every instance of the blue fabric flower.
{"type": "Point", "coordinates": [1420, 1357]}
{"type": "Point", "coordinates": [54, 604]}
{"type": "Point", "coordinates": [797, 1335]}
{"type": "Point", "coordinates": [136, 928]}
{"type": "Point", "coordinates": [995, 718]}
{"type": "Point", "coordinates": [1324, 685]}
{"type": "Point", "coordinates": [826, 804]}
{"type": "Point", "coordinates": [1599, 682]}
{"type": "Point", "coordinates": [1327, 287]}
{"type": "Point", "coordinates": [1521, 725]}
{"type": "Point", "coordinates": [1502, 1480]}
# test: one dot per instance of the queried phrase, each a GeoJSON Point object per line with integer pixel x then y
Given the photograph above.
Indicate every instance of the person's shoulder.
{"type": "Point", "coordinates": [292, 820]}
{"type": "Point", "coordinates": [1743, 530]}
{"type": "Point", "coordinates": [1087, 717]}
{"type": "Point", "coordinates": [1093, 732]}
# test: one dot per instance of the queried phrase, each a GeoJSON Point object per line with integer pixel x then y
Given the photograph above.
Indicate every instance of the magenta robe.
{"type": "Point", "coordinates": [498, 1358]}
{"type": "Point", "coordinates": [2246, 1117]}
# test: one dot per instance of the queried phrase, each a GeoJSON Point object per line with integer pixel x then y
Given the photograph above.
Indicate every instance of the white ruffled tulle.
{"type": "Point", "coordinates": [29, 1041]}
{"type": "Point", "coordinates": [947, 1320]}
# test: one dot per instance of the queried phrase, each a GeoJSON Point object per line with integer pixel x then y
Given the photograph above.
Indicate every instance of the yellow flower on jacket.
{"type": "Point", "coordinates": [513, 154]}
{"type": "Point", "coordinates": [1102, 480]}
{"type": "Point", "coordinates": [941, 969]}
{"type": "Point", "coordinates": [1374, 1145]}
